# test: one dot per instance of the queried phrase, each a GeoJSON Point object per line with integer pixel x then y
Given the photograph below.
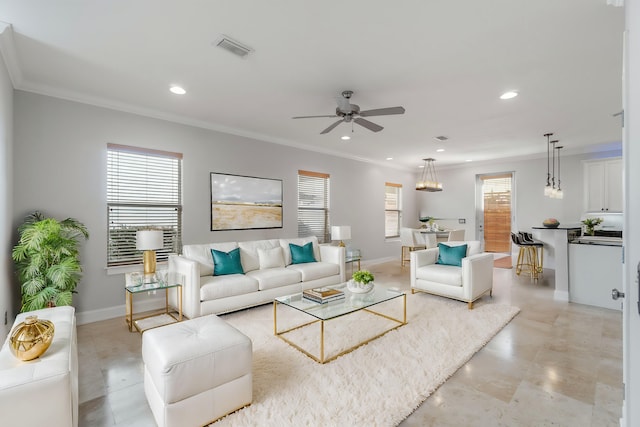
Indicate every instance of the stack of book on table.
{"type": "Point", "coordinates": [323, 295]}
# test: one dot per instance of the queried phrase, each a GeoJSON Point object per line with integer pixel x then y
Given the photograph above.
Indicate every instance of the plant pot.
{"type": "Point", "coordinates": [359, 288]}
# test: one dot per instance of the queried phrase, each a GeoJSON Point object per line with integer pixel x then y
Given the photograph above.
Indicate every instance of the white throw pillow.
{"type": "Point", "coordinates": [270, 258]}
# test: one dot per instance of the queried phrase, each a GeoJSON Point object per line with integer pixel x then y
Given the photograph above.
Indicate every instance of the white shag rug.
{"type": "Point", "coordinates": [378, 384]}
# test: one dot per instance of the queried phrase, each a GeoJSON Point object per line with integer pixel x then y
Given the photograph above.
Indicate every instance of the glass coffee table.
{"type": "Point", "coordinates": [322, 313]}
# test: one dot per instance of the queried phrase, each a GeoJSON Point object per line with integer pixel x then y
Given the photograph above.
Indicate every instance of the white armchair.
{"type": "Point", "coordinates": [468, 282]}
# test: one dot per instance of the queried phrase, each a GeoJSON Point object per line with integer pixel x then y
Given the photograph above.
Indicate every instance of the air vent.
{"type": "Point", "coordinates": [440, 138]}
{"type": "Point", "coordinates": [233, 46]}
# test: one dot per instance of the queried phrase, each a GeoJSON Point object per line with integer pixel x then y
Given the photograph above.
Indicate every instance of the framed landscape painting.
{"type": "Point", "coordinates": [245, 202]}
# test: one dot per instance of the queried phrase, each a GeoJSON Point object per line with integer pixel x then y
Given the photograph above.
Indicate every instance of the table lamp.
{"type": "Point", "coordinates": [148, 241]}
{"type": "Point", "coordinates": [341, 232]}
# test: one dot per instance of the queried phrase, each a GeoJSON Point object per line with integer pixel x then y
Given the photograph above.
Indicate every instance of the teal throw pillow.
{"type": "Point", "coordinates": [226, 262]}
{"type": "Point", "coordinates": [302, 254]}
{"type": "Point", "coordinates": [451, 255]}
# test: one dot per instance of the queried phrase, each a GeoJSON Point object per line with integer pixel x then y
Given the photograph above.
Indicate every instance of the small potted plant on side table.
{"type": "Point", "coordinates": [361, 282]}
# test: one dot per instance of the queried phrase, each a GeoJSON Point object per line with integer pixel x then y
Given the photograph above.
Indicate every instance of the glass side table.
{"type": "Point", "coordinates": [351, 259]}
{"type": "Point", "coordinates": [137, 283]}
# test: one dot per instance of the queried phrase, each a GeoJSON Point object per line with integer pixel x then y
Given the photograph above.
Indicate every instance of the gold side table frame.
{"type": "Point", "coordinates": [322, 359]}
{"type": "Point", "coordinates": [153, 284]}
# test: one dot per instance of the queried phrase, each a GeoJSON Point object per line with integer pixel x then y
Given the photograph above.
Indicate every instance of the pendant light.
{"type": "Point", "coordinates": [429, 180]}
{"type": "Point", "coordinates": [558, 193]}
{"type": "Point", "coordinates": [548, 189]}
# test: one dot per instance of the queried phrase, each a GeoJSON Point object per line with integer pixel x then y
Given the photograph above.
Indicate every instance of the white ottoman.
{"type": "Point", "coordinates": [196, 371]}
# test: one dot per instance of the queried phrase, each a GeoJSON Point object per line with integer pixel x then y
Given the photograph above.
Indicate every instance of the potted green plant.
{"type": "Point", "coordinates": [47, 260]}
{"type": "Point", "coordinates": [361, 281]}
{"type": "Point", "coordinates": [590, 224]}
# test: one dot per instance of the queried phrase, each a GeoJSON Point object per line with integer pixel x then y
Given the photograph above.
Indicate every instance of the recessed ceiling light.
{"type": "Point", "coordinates": [177, 90]}
{"type": "Point", "coordinates": [421, 166]}
{"type": "Point", "coordinates": [440, 150]}
{"type": "Point", "coordinates": [389, 158]}
{"type": "Point", "coordinates": [468, 160]}
{"type": "Point", "coordinates": [345, 137]}
{"type": "Point", "coordinates": [509, 95]}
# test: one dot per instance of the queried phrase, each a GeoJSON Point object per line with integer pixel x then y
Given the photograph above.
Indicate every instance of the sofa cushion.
{"type": "Point", "coordinates": [315, 270]}
{"type": "Point", "coordinates": [214, 287]}
{"type": "Point", "coordinates": [270, 278]}
{"type": "Point", "coordinates": [445, 274]}
{"type": "Point", "coordinates": [300, 242]}
{"type": "Point", "coordinates": [271, 258]}
{"type": "Point", "coordinates": [302, 254]}
{"type": "Point", "coordinates": [226, 262]}
{"type": "Point", "coordinates": [202, 254]}
{"type": "Point", "coordinates": [249, 252]}
{"type": "Point", "coordinates": [451, 255]}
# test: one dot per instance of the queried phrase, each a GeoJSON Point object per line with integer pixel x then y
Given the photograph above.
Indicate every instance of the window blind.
{"type": "Point", "coordinates": [392, 209]}
{"type": "Point", "coordinates": [313, 205]}
{"type": "Point", "coordinates": [144, 190]}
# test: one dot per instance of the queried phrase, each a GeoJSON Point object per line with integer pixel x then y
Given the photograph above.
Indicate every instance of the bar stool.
{"type": "Point", "coordinates": [538, 246]}
{"type": "Point", "coordinates": [527, 257]}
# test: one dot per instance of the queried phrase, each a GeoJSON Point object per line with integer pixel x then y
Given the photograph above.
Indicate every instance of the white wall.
{"type": "Point", "coordinates": [8, 291]}
{"type": "Point", "coordinates": [60, 169]}
{"type": "Point", "coordinates": [457, 200]}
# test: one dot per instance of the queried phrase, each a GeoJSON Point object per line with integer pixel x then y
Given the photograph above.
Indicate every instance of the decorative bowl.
{"type": "Point", "coordinates": [551, 223]}
{"type": "Point", "coordinates": [359, 288]}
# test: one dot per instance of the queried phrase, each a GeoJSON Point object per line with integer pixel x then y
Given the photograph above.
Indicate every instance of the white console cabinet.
{"type": "Point", "coordinates": [603, 185]}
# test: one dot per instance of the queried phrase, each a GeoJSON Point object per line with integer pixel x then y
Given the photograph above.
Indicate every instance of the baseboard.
{"type": "Point", "coordinates": [378, 261]}
{"type": "Point", "coordinates": [91, 316]}
{"type": "Point", "coordinates": [561, 296]}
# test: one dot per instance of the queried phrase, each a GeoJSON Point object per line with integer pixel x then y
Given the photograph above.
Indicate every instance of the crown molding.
{"type": "Point", "coordinates": [8, 52]}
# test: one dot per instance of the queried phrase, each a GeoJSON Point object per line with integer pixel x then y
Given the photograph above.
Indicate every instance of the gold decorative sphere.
{"type": "Point", "coordinates": [31, 338]}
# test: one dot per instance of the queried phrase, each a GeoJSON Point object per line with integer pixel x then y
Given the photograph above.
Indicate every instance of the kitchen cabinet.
{"type": "Point", "coordinates": [603, 185]}
{"type": "Point", "coordinates": [593, 271]}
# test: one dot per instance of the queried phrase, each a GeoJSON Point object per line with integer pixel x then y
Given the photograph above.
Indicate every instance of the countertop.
{"type": "Point", "coordinates": [597, 240]}
{"type": "Point", "coordinates": [560, 227]}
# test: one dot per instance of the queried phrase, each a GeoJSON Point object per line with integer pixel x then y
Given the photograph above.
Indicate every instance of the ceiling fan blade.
{"type": "Point", "coordinates": [367, 124]}
{"type": "Point", "coordinates": [312, 117]}
{"type": "Point", "coordinates": [330, 128]}
{"type": "Point", "coordinates": [382, 112]}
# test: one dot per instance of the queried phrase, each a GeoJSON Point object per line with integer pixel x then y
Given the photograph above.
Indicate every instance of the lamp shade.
{"type": "Point", "coordinates": [341, 232]}
{"type": "Point", "coordinates": [149, 240]}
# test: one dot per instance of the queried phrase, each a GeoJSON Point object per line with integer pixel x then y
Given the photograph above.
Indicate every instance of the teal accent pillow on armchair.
{"type": "Point", "coordinates": [451, 255]}
{"type": "Point", "coordinates": [226, 262]}
{"type": "Point", "coordinates": [302, 254]}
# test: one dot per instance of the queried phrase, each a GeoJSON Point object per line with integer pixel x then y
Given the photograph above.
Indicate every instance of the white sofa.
{"type": "Point", "coordinates": [203, 293]}
{"type": "Point", "coordinates": [43, 391]}
{"type": "Point", "coordinates": [466, 283]}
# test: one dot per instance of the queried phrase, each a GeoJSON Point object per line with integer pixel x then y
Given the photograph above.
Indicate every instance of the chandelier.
{"type": "Point", "coordinates": [429, 180]}
{"type": "Point", "coordinates": [550, 189]}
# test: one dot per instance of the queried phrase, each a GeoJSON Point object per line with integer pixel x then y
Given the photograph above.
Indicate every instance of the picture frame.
{"type": "Point", "coordinates": [240, 202]}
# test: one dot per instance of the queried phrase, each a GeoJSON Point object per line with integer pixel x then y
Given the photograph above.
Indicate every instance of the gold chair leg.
{"type": "Point", "coordinates": [470, 305]}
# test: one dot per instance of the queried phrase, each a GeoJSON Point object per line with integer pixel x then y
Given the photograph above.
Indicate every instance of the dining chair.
{"type": "Point", "coordinates": [456, 235]}
{"type": "Point", "coordinates": [409, 243]}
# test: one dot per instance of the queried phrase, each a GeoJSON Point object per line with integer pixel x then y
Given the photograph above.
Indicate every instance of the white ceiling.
{"type": "Point", "coordinates": [445, 62]}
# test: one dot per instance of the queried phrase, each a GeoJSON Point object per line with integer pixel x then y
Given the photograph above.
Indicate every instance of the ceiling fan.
{"type": "Point", "coordinates": [351, 113]}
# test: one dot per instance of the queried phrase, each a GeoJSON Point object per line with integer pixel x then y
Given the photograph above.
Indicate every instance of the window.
{"type": "Point", "coordinates": [392, 209]}
{"type": "Point", "coordinates": [313, 205]}
{"type": "Point", "coordinates": [144, 190]}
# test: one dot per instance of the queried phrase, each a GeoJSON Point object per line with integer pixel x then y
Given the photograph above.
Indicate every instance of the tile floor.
{"type": "Point", "coordinates": [555, 364]}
